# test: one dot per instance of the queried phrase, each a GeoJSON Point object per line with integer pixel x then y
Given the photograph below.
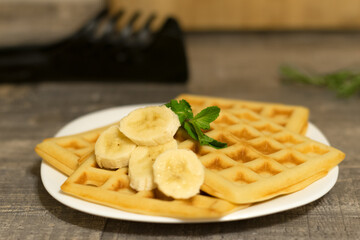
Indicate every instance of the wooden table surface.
{"type": "Point", "coordinates": [223, 64]}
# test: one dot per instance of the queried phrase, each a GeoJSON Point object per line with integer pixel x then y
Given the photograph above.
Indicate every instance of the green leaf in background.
{"type": "Point", "coordinates": [345, 83]}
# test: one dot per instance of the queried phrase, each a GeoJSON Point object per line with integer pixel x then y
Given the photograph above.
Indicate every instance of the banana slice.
{"type": "Point", "coordinates": [141, 162]}
{"type": "Point", "coordinates": [113, 149]}
{"type": "Point", "coordinates": [178, 173]}
{"type": "Point", "coordinates": [150, 126]}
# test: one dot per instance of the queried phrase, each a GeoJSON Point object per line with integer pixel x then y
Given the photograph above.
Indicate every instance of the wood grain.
{"type": "Point", "coordinates": [226, 65]}
{"type": "Point", "coordinates": [205, 15]}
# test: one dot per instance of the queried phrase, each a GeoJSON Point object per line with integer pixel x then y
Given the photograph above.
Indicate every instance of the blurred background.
{"type": "Point", "coordinates": [63, 59]}
{"type": "Point", "coordinates": [40, 21]}
{"type": "Point", "coordinates": [217, 42]}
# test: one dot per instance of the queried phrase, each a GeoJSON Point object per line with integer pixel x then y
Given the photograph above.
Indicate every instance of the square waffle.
{"type": "Point", "coordinates": [111, 188]}
{"type": "Point", "coordinates": [294, 118]}
{"type": "Point", "coordinates": [68, 152]}
{"type": "Point", "coordinates": [263, 159]}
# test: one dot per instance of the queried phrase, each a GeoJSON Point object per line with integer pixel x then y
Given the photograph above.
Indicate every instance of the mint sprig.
{"type": "Point", "coordinates": [182, 109]}
{"type": "Point", "coordinates": [195, 125]}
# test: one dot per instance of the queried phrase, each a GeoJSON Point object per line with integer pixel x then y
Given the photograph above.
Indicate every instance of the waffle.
{"type": "Point", "coordinates": [111, 188]}
{"type": "Point", "coordinates": [67, 153]}
{"type": "Point", "coordinates": [266, 157]}
{"type": "Point", "coordinates": [294, 118]}
{"type": "Point", "coordinates": [263, 159]}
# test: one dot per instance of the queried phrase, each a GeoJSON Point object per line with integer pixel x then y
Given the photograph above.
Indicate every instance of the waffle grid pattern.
{"type": "Point", "coordinates": [67, 153]}
{"type": "Point", "coordinates": [111, 188]}
{"type": "Point", "coordinates": [262, 160]}
{"type": "Point", "coordinates": [266, 157]}
{"type": "Point", "coordinates": [294, 118]}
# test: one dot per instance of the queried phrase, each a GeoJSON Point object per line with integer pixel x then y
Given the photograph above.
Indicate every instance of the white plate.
{"type": "Point", "coordinates": [52, 179]}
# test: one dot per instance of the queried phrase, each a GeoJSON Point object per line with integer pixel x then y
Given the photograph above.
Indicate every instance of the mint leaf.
{"type": "Point", "coordinates": [182, 109]}
{"type": "Point", "coordinates": [200, 134]}
{"type": "Point", "coordinates": [194, 125]}
{"type": "Point", "coordinates": [206, 116]}
{"type": "Point", "coordinates": [190, 130]}
{"type": "Point", "coordinates": [206, 140]}
{"type": "Point", "coordinates": [213, 143]}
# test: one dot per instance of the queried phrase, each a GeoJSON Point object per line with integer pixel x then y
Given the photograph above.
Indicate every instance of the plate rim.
{"type": "Point", "coordinates": [69, 201]}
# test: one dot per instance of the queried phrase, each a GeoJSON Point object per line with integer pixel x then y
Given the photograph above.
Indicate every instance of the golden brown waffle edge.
{"type": "Point", "coordinates": [111, 188]}
{"type": "Point", "coordinates": [263, 159]}
{"type": "Point", "coordinates": [68, 152]}
{"type": "Point", "coordinates": [294, 118]}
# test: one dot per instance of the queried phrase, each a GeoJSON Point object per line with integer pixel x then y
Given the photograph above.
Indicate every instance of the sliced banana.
{"type": "Point", "coordinates": [141, 162]}
{"type": "Point", "coordinates": [113, 149]}
{"type": "Point", "coordinates": [150, 126]}
{"type": "Point", "coordinates": [178, 173]}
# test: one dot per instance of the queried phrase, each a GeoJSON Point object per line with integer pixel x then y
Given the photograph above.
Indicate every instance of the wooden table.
{"type": "Point", "coordinates": [228, 65]}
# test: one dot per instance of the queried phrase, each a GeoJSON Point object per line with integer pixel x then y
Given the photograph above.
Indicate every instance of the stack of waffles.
{"type": "Point", "coordinates": [267, 156]}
